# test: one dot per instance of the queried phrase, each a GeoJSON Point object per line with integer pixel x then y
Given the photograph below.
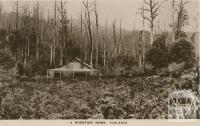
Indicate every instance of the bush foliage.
{"type": "Point", "coordinates": [183, 51]}
{"type": "Point", "coordinates": [161, 55]}
{"type": "Point", "coordinates": [139, 98]}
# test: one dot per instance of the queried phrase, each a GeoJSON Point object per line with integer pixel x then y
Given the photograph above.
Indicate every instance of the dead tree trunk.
{"type": "Point", "coordinates": [37, 31]}
{"type": "Point", "coordinates": [64, 30]}
{"type": "Point", "coordinates": [97, 34]}
{"type": "Point", "coordinates": [55, 35]}
{"type": "Point", "coordinates": [62, 37]}
{"type": "Point", "coordinates": [88, 20]}
{"type": "Point", "coordinates": [120, 37]}
{"type": "Point", "coordinates": [152, 8]}
{"type": "Point", "coordinates": [86, 44]}
{"type": "Point", "coordinates": [81, 39]}
{"type": "Point", "coordinates": [71, 30]}
{"type": "Point", "coordinates": [115, 40]}
{"type": "Point", "coordinates": [133, 41]}
{"type": "Point", "coordinates": [173, 20]}
{"type": "Point", "coordinates": [141, 45]}
{"type": "Point", "coordinates": [17, 15]}
{"type": "Point", "coordinates": [105, 45]}
{"type": "Point", "coordinates": [17, 24]}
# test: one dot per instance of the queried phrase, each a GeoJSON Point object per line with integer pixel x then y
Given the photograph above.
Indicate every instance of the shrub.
{"type": "Point", "coordinates": [157, 57]}
{"type": "Point", "coordinates": [6, 58]}
{"type": "Point", "coordinates": [148, 68]}
{"type": "Point", "coordinates": [118, 70]}
{"type": "Point", "coordinates": [137, 70]}
{"type": "Point", "coordinates": [158, 54]}
{"type": "Point", "coordinates": [183, 51]}
{"type": "Point", "coordinates": [28, 69]}
{"type": "Point", "coordinates": [176, 67]}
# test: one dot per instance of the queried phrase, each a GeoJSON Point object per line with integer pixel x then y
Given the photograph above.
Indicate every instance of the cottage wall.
{"type": "Point", "coordinates": [74, 65]}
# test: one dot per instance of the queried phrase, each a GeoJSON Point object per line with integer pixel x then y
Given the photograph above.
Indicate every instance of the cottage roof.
{"type": "Point", "coordinates": [84, 63]}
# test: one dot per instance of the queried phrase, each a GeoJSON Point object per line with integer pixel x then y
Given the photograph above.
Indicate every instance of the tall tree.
{"type": "Point", "coordinates": [115, 39]}
{"type": "Point", "coordinates": [54, 41]}
{"type": "Point", "coordinates": [151, 7]}
{"type": "Point", "coordinates": [83, 52]}
{"type": "Point", "coordinates": [133, 41]}
{"type": "Point", "coordinates": [140, 50]}
{"type": "Point", "coordinates": [173, 20]}
{"type": "Point", "coordinates": [120, 36]}
{"type": "Point", "coordinates": [1, 15]}
{"type": "Point", "coordinates": [17, 15]}
{"type": "Point", "coordinates": [64, 29]}
{"type": "Point", "coordinates": [88, 9]}
{"type": "Point", "coordinates": [104, 37]}
{"type": "Point", "coordinates": [181, 18]}
{"type": "Point", "coordinates": [71, 30]}
{"type": "Point", "coordinates": [105, 61]}
{"type": "Point", "coordinates": [17, 26]}
{"type": "Point", "coordinates": [26, 32]}
{"type": "Point", "coordinates": [140, 55]}
{"type": "Point", "coordinates": [97, 33]}
{"type": "Point", "coordinates": [50, 23]}
{"type": "Point", "coordinates": [37, 29]}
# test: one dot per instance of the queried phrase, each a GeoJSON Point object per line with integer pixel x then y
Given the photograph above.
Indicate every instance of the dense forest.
{"type": "Point", "coordinates": [34, 43]}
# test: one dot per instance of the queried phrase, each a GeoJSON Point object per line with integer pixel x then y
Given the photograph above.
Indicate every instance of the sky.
{"type": "Point", "coordinates": [124, 10]}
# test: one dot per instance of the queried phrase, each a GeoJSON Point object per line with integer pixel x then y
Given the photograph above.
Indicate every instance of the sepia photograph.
{"type": "Point", "coordinates": [99, 60]}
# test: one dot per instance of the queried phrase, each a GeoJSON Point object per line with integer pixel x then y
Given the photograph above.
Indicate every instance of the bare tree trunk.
{"type": "Point", "coordinates": [28, 47]}
{"type": "Point", "coordinates": [62, 37]}
{"type": "Point", "coordinates": [141, 45]}
{"type": "Point", "coordinates": [17, 15]}
{"type": "Point", "coordinates": [120, 37]}
{"type": "Point", "coordinates": [91, 42]}
{"type": "Point", "coordinates": [42, 29]}
{"type": "Point", "coordinates": [133, 42]}
{"type": "Point", "coordinates": [55, 35]}
{"type": "Point", "coordinates": [37, 28]}
{"type": "Point", "coordinates": [197, 80]}
{"type": "Point", "coordinates": [25, 50]}
{"type": "Point", "coordinates": [88, 20]}
{"type": "Point", "coordinates": [71, 30]}
{"type": "Point", "coordinates": [139, 50]}
{"type": "Point", "coordinates": [104, 46]}
{"type": "Point", "coordinates": [86, 34]}
{"type": "Point", "coordinates": [152, 8]}
{"type": "Point", "coordinates": [64, 30]}
{"type": "Point", "coordinates": [104, 55]}
{"type": "Point", "coordinates": [97, 34]}
{"type": "Point", "coordinates": [151, 35]}
{"type": "Point", "coordinates": [51, 44]}
{"type": "Point", "coordinates": [115, 41]}
{"type": "Point", "coordinates": [81, 41]}
{"type": "Point", "coordinates": [26, 43]}
{"type": "Point", "coordinates": [61, 55]}
{"type": "Point", "coordinates": [1, 15]}
{"type": "Point", "coordinates": [51, 54]}
{"type": "Point", "coordinates": [37, 48]}
{"type": "Point", "coordinates": [173, 20]}
{"type": "Point", "coordinates": [17, 23]}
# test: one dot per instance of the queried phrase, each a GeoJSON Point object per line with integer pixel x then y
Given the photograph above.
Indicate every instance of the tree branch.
{"type": "Point", "coordinates": [148, 19]}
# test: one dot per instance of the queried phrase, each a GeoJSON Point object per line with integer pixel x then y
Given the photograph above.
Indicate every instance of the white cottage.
{"type": "Point", "coordinates": [74, 68]}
